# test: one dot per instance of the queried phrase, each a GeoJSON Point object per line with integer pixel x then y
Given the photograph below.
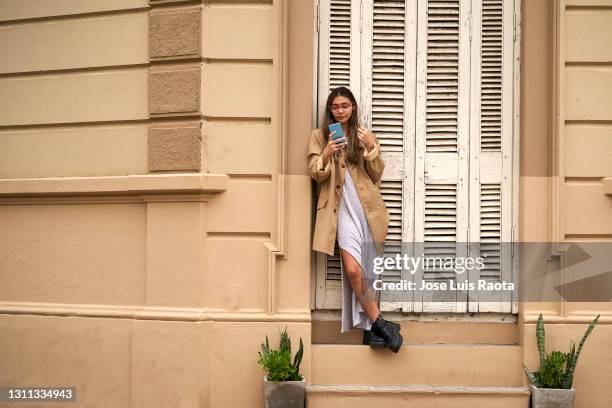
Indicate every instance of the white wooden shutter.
{"type": "Point", "coordinates": [435, 82]}
{"type": "Point", "coordinates": [491, 149]}
{"type": "Point", "coordinates": [388, 86]}
{"type": "Point", "coordinates": [339, 56]}
{"type": "Point", "coordinates": [442, 130]}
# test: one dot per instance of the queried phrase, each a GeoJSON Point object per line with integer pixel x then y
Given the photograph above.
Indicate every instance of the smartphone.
{"type": "Point", "coordinates": [338, 128]}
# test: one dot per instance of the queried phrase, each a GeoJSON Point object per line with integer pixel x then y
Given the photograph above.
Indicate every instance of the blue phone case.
{"type": "Point", "coordinates": [338, 128]}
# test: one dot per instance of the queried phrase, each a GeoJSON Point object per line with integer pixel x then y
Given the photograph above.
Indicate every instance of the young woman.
{"type": "Point", "coordinates": [350, 208]}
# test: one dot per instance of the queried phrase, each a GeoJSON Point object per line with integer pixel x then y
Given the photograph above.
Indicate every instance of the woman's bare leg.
{"type": "Point", "coordinates": [358, 283]}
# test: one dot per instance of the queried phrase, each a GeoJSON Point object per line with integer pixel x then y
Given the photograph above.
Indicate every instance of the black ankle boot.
{"type": "Point", "coordinates": [388, 331]}
{"type": "Point", "coordinates": [374, 341]}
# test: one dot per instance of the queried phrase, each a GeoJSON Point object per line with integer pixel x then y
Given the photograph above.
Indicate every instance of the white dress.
{"type": "Point", "coordinates": [354, 235]}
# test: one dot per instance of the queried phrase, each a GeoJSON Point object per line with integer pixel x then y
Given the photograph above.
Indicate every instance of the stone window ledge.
{"type": "Point", "coordinates": [148, 184]}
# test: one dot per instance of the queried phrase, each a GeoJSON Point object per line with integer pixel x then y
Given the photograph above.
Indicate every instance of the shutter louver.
{"type": "Point", "coordinates": [440, 213]}
{"type": "Point", "coordinates": [440, 227]}
{"type": "Point", "coordinates": [333, 265]}
{"type": "Point", "coordinates": [442, 75]}
{"type": "Point", "coordinates": [392, 195]}
{"type": "Point", "coordinates": [440, 245]}
{"type": "Point", "coordinates": [332, 291]}
{"type": "Point", "coordinates": [340, 43]}
{"type": "Point", "coordinates": [490, 231]}
{"type": "Point", "coordinates": [388, 74]}
{"type": "Point", "coordinates": [491, 76]}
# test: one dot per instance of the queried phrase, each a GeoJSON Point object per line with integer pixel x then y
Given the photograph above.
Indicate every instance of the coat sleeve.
{"type": "Point", "coordinates": [374, 163]}
{"type": "Point", "coordinates": [316, 169]}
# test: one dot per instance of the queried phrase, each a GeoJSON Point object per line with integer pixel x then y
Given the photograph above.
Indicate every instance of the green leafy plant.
{"type": "Point", "coordinates": [277, 363]}
{"type": "Point", "coordinates": [557, 368]}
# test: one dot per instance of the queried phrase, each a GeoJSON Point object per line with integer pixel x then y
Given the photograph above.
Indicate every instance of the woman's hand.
{"type": "Point", "coordinates": [367, 138]}
{"type": "Point", "coordinates": [332, 147]}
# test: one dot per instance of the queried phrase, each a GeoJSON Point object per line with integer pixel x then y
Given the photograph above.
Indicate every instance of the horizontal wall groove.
{"type": "Point", "coordinates": [587, 122]}
{"type": "Point", "coordinates": [588, 8]}
{"type": "Point", "coordinates": [580, 180]}
{"type": "Point", "coordinates": [173, 61]}
{"type": "Point", "coordinates": [170, 4]}
{"type": "Point", "coordinates": [588, 64]}
{"type": "Point", "coordinates": [4, 23]}
{"type": "Point", "coordinates": [63, 71]}
{"type": "Point", "coordinates": [262, 61]}
{"type": "Point", "coordinates": [237, 3]}
{"type": "Point", "coordinates": [77, 125]}
{"type": "Point", "coordinates": [157, 119]}
{"type": "Point", "coordinates": [602, 124]}
{"type": "Point", "coordinates": [256, 178]}
{"type": "Point", "coordinates": [184, 314]}
{"type": "Point", "coordinates": [235, 119]}
{"type": "Point", "coordinates": [576, 237]}
{"type": "Point", "coordinates": [238, 235]}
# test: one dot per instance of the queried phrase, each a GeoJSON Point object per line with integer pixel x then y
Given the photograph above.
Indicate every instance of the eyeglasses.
{"type": "Point", "coordinates": [344, 107]}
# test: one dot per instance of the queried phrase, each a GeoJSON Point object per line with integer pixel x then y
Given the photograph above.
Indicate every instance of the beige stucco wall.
{"type": "Point", "coordinates": [157, 281]}
{"type": "Point", "coordinates": [129, 271]}
{"type": "Point", "coordinates": [565, 153]}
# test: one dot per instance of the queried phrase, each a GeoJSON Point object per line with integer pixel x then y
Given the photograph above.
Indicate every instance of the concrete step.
{"type": "Point", "coordinates": [422, 396]}
{"type": "Point", "coordinates": [472, 365]}
{"type": "Point", "coordinates": [425, 332]}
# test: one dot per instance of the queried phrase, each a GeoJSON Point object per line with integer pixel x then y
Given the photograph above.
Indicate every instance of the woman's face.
{"type": "Point", "coordinates": [342, 109]}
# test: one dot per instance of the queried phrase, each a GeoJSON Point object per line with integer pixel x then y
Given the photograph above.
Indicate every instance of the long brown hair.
{"type": "Point", "coordinates": [353, 124]}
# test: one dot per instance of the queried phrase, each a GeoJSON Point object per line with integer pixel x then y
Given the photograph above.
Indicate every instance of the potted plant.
{"type": "Point", "coordinates": [551, 385]}
{"type": "Point", "coordinates": [284, 386]}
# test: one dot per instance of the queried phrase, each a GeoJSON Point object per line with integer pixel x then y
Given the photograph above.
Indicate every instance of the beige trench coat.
{"type": "Point", "coordinates": [330, 181]}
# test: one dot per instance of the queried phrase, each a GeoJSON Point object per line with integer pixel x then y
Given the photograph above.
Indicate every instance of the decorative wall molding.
{"type": "Point", "coordinates": [571, 318]}
{"type": "Point", "coordinates": [175, 34]}
{"type": "Point", "coordinates": [132, 188]}
{"type": "Point", "coordinates": [175, 147]}
{"type": "Point", "coordinates": [277, 248]}
{"type": "Point", "coordinates": [148, 312]}
{"type": "Point", "coordinates": [174, 90]}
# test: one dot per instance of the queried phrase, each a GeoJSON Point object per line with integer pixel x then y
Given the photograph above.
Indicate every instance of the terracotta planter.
{"type": "Point", "coordinates": [552, 397]}
{"type": "Point", "coordinates": [284, 394]}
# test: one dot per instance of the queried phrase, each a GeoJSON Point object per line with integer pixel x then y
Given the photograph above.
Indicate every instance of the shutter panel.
{"type": "Point", "coordinates": [491, 76]}
{"type": "Point", "coordinates": [392, 192]}
{"type": "Point", "coordinates": [388, 74]}
{"type": "Point", "coordinates": [339, 43]}
{"type": "Point", "coordinates": [440, 227]}
{"type": "Point", "coordinates": [442, 75]}
{"type": "Point", "coordinates": [441, 193]}
{"type": "Point", "coordinates": [339, 50]}
{"type": "Point", "coordinates": [490, 230]}
{"type": "Point", "coordinates": [491, 150]}
{"type": "Point", "coordinates": [388, 94]}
